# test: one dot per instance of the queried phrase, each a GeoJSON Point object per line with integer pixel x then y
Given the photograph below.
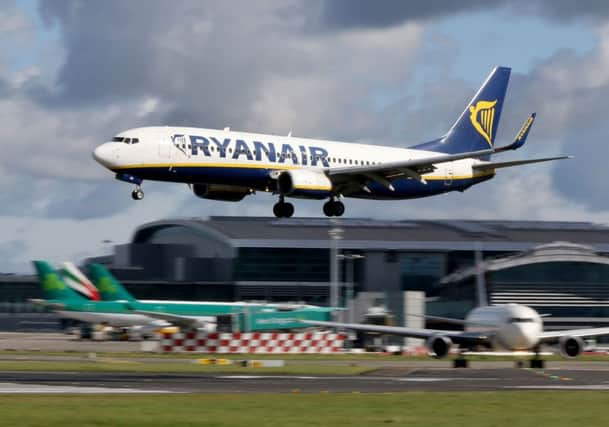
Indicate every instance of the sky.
{"type": "Point", "coordinates": [74, 73]}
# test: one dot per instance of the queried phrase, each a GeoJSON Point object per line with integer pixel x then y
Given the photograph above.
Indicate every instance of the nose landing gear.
{"type": "Point", "coordinates": [283, 209]}
{"type": "Point", "coordinates": [334, 208]}
{"type": "Point", "coordinates": [137, 194]}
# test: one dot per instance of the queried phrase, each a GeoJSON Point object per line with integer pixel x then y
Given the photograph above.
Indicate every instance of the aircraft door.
{"type": "Point", "coordinates": [448, 175]}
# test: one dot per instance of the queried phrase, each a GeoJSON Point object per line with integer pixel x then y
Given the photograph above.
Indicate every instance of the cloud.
{"type": "Point", "coordinates": [349, 14]}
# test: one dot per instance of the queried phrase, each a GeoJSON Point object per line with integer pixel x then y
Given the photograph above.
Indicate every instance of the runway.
{"type": "Point", "coordinates": [416, 380]}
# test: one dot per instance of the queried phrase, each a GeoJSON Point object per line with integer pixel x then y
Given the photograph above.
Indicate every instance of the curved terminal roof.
{"type": "Point", "coordinates": [552, 252]}
{"type": "Point", "coordinates": [430, 235]}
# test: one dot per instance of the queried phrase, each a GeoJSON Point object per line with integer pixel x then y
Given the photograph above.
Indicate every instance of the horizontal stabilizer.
{"type": "Point", "coordinates": [497, 165]}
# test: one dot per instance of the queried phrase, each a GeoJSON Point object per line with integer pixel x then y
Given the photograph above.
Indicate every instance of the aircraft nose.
{"type": "Point", "coordinates": [529, 336]}
{"type": "Point", "coordinates": [103, 154]}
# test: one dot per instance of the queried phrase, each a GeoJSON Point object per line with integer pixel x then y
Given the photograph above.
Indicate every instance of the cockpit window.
{"type": "Point", "coordinates": [125, 140]}
{"type": "Point", "coordinates": [521, 320]}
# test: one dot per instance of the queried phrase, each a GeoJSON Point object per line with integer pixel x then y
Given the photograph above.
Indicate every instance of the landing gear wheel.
{"type": "Point", "coordinates": [137, 194]}
{"type": "Point", "coordinates": [537, 363]}
{"type": "Point", "coordinates": [277, 210]}
{"type": "Point", "coordinates": [283, 210]}
{"type": "Point", "coordinates": [334, 208]}
{"type": "Point", "coordinates": [288, 210]}
{"type": "Point", "coordinates": [339, 208]}
{"type": "Point", "coordinates": [460, 362]}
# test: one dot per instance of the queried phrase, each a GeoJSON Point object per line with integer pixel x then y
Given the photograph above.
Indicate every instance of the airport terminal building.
{"type": "Point", "coordinates": [245, 258]}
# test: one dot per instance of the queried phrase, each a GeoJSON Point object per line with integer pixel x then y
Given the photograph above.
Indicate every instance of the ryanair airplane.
{"type": "Point", "coordinates": [227, 165]}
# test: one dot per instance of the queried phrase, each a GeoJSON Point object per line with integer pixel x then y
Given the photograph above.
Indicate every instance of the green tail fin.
{"type": "Point", "coordinates": [110, 289]}
{"type": "Point", "coordinates": [53, 286]}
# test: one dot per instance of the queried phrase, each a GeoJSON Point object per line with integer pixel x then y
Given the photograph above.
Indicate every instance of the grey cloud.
{"type": "Point", "coordinates": [211, 65]}
{"type": "Point", "coordinates": [203, 60]}
{"type": "Point", "coordinates": [343, 14]}
{"type": "Point", "coordinates": [367, 14]}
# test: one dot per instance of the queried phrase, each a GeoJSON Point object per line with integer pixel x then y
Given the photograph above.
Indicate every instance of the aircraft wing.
{"type": "Point", "coordinates": [186, 322]}
{"type": "Point", "coordinates": [453, 321]}
{"type": "Point", "coordinates": [587, 332]}
{"type": "Point", "coordinates": [497, 165]}
{"type": "Point", "coordinates": [412, 168]}
{"type": "Point", "coordinates": [458, 337]}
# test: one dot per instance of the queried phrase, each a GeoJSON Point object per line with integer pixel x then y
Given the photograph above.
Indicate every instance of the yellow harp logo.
{"type": "Point", "coordinates": [482, 116]}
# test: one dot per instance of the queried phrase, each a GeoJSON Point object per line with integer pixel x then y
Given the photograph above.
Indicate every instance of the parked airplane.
{"type": "Point", "coordinates": [274, 316]}
{"type": "Point", "coordinates": [508, 327]}
{"type": "Point", "coordinates": [191, 315]}
{"type": "Point", "coordinates": [227, 165]}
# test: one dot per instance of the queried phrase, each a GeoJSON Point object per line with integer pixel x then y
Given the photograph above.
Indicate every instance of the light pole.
{"type": "Point", "coordinates": [335, 234]}
{"type": "Point", "coordinates": [350, 278]}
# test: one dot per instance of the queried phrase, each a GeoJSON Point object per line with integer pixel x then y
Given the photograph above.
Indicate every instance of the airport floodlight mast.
{"type": "Point", "coordinates": [335, 234]}
{"type": "Point", "coordinates": [350, 279]}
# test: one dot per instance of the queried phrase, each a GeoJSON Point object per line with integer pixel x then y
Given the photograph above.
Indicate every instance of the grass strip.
{"type": "Point", "coordinates": [412, 409]}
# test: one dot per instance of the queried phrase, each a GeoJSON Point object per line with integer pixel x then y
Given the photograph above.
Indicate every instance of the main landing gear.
{"type": "Point", "coordinates": [137, 194]}
{"type": "Point", "coordinates": [460, 362]}
{"type": "Point", "coordinates": [283, 209]}
{"type": "Point", "coordinates": [537, 362]}
{"type": "Point", "coordinates": [334, 208]}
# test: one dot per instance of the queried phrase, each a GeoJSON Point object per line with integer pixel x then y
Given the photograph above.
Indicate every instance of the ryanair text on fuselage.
{"type": "Point", "coordinates": [255, 150]}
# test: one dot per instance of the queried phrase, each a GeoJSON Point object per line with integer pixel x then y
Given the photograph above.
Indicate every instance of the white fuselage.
{"type": "Point", "coordinates": [510, 327]}
{"type": "Point", "coordinates": [196, 155]}
{"type": "Point", "coordinates": [124, 320]}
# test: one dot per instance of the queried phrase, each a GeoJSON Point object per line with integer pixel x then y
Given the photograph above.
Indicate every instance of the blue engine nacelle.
{"type": "Point", "coordinates": [225, 193]}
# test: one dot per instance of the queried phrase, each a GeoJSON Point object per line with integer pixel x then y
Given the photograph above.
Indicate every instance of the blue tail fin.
{"type": "Point", "coordinates": [476, 127]}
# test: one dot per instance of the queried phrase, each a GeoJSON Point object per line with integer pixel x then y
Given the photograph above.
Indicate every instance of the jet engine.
{"type": "Point", "coordinates": [439, 345]}
{"type": "Point", "coordinates": [304, 183]}
{"type": "Point", "coordinates": [226, 193]}
{"type": "Point", "coordinates": [570, 346]}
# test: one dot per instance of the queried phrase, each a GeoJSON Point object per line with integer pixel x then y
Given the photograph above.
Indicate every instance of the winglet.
{"type": "Point", "coordinates": [521, 136]}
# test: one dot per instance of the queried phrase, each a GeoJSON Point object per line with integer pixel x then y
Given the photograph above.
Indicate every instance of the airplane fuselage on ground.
{"type": "Point", "coordinates": [507, 327]}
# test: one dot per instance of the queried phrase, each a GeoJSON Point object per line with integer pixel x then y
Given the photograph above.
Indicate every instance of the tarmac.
{"type": "Point", "coordinates": [391, 374]}
{"type": "Point", "coordinates": [486, 379]}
